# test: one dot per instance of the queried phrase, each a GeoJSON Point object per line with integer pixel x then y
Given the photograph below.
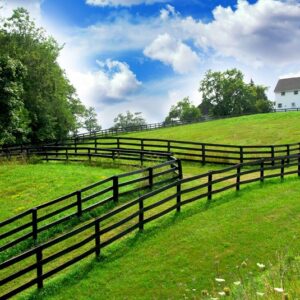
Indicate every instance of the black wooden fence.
{"type": "Point", "coordinates": [32, 222]}
{"type": "Point", "coordinates": [33, 267]}
{"type": "Point", "coordinates": [190, 151]}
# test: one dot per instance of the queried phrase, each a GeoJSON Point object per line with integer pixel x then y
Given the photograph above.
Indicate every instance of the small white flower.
{"type": "Point", "coordinates": [261, 266]}
{"type": "Point", "coordinates": [259, 293]}
{"type": "Point", "coordinates": [279, 290]}
{"type": "Point", "coordinates": [193, 290]}
{"type": "Point", "coordinates": [222, 293]}
{"type": "Point", "coordinates": [220, 280]}
{"type": "Point", "coordinates": [237, 283]}
{"type": "Point", "coordinates": [214, 298]}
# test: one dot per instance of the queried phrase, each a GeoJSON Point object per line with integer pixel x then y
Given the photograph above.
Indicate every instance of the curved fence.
{"type": "Point", "coordinates": [34, 266]}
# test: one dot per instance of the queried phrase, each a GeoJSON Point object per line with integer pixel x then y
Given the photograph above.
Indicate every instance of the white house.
{"type": "Point", "coordinates": [287, 93]}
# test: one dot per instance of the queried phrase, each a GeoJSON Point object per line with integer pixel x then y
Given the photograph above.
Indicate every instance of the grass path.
{"type": "Point", "coordinates": [178, 256]}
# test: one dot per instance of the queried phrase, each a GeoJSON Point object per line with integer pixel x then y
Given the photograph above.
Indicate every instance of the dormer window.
{"type": "Point", "coordinates": [295, 92]}
{"type": "Point", "coordinates": [282, 93]}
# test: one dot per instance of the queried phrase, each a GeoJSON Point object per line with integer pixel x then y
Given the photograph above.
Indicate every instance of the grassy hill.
{"type": "Point", "coordinates": [181, 255]}
{"type": "Point", "coordinates": [261, 129]}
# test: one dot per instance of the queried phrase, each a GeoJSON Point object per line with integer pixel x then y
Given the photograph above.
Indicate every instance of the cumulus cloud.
{"type": "Point", "coordinates": [114, 82]}
{"type": "Point", "coordinates": [172, 52]}
{"type": "Point", "coordinates": [267, 32]}
{"type": "Point", "coordinates": [121, 2]}
{"type": "Point", "coordinates": [168, 11]}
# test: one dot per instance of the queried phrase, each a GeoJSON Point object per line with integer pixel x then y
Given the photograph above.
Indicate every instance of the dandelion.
{"type": "Point", "coordinates": [219, 280]}
{"type": "Point", "coordinates": [259, 293]}
{"type": "Point", "coordinates": [261, 266]}
{"type": "Point", "coordinates": [279, 290]}
{"type": "Point", "coordinates": [237, 283]}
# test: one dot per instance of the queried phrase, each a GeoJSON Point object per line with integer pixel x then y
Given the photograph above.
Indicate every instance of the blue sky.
{"type": "Point", "coordinates": [145, 55]}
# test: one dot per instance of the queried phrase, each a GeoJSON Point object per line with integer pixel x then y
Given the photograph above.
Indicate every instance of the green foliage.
{"type": "Point", "coordinates": [49, 100]}
{"type": "Point", "coordinates": [183, 111]}
{"type": "Point", "coordinates": [14, 121]}
{"type": "Point", "coordinates": [129, 120]}
{"type": "Point", "coordinates": [90, 120]}
{"type": "Point", "coordinates": [226, 93]}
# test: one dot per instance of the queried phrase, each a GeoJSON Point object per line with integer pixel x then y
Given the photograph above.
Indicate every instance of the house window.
{"type": "Point", "coordinates": [282, 93]}
{"type": "Point", "coordinates": [279, 105]}
{"type": "Point", "coordinates": [293, 104]}
{"type": "Point", "coordinates": [295, 92]}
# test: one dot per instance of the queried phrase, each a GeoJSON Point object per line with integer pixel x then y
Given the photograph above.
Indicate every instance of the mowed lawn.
{"type": "Point", "coordinates": [261, 129]}
{"type": "Point", "coordinates": [23, 186]}
{"type": "Point", "coordinates": [179, 255]}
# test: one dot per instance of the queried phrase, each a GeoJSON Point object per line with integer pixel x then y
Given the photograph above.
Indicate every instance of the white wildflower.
{"type": "Point", "coordinates": [222, 293]}
{"type": "Point", "coordinates": [279, 290]}
{"type": "Point", "coordinates": [261, 266]}
{"type": "Point", "coordinates": [237, 283]}
{"type": "Point", "coordinates": [259, 293]}
{"type": "Point", "coordinates": [220, 280]}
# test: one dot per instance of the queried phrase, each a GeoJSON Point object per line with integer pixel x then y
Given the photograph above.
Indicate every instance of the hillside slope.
{"type": "Point", "coordinates": [180, 255]}
{"type": "Point", "coordinates": [261, 129]}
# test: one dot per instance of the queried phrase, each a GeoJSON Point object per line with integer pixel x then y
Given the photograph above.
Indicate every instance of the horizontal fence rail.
{"type": "Point", "coordinates": [34, 266]}
{"type": "Point", "coordinates": [191, 151]}
{"type": "Point", "coordinates": [29, 224]}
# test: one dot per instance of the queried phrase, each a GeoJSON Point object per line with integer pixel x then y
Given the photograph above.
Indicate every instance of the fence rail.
{"type": "Point", "coordinates": [28, 225]}
{"type": "Point", "coordinates": [91, 238]}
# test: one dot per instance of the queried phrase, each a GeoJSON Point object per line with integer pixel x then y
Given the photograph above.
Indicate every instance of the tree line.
{"type": "Point", "coordinates": [38, 103]}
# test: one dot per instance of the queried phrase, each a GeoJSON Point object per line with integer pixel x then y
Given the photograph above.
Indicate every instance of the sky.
{"type": "Point", "coordinates": [145, 55]}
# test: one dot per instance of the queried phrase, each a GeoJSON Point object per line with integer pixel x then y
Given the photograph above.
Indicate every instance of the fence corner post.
{"type": "Point", "coordinates": [209, 187]}
{"type": "Point", "coordinates": [150, 169]}
{"type": "Point", "coordinates": [97, 238]}
{"type": "Point", "coordinates": [79, 204]}
{"type": "Point", "coordinates": [34, 224]}
{"type": "Point", "coordinates": [238, 177]}
{"type": "Point", "coordinates": [180, 176]}
{"type": "Point", "coordinates": [178, 198]}
{"type": "Point", "coordinates": [262, 170]}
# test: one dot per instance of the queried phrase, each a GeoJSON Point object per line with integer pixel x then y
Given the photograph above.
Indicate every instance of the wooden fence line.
{"type": "Point", "coordinates": [78, 198]}
{"type": "Point", "coordinates": [210, 187]}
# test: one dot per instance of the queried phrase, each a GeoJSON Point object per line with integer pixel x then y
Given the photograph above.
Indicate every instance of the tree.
{"type": "Point", "coordinates": [90, 122]}
{"type": "Point", "coordinates": [14, 121]}
{"type": "Point", "coordinates": [49, 99]}
{"type": "Point", "coordinates": [183, 111]}
{"type": "Point", "coordinates": [129, 120]}
{"type": "Point", "coordinates": [226, 93]}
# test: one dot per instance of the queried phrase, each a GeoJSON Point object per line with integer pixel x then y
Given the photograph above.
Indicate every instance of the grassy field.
{"type": "Point", "coordinates": [262, 129]}
{"type": "Point", "coordinates": [180, 255]}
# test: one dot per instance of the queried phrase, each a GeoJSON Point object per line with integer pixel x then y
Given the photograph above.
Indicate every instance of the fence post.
{"type": "Point", "coordinates": [118, 143]}
{"type": "Point", "coordinates": [262, 170]}
{"type": "Point", "coordinates": [178, 198]}
{"type": "Point", "coordinates": [203, 154]}
{"type": "Point", "coordinates": [67, 157]}
{"type": "Point", "coordinates": [97, 237]}
{"type": "Point", "coordinates": [89, 154]}
{"type": "Point", "coordinates": [150, 177]}
{"type": "Point", "coordinates": [288, 153]}
{"type": "Point", "coordinates": [209, 187]}
{"type": "Point", "coordinates": [272, 155]}
{"type": "Point", "coordinates": [180, 176]}
{"type": "Point", "coordinates": [238, 177]}
{"type": "Point", "coordinates": [142, 144]}
{"type": "Point", "coordinates": [142, 158]}
{"type": "Point", "coordinates": [169, 146]}
{"type": "Point", "coordinates": [241, 155]}
{"type": "Point", "coordinates": [141, 214]}
{"type": "Point", "coordinates": [34, 224]}
{"type": "Point", "coordinates": [115, 189]}
{"type": "Point", "coordinates": [79, 204]}
{"type": "Point", "coordinates": [282, 169]}
{"type": "Point", "coordinates": [39, 267]}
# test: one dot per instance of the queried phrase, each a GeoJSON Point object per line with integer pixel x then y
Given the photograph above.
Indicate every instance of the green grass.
{"type": "Point", "coordinates": [261, 129]}
{"type": "Point", "coordinates": [180, 255]}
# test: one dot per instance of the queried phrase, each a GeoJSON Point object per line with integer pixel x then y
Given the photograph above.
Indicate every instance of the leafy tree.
{"type": "Point", "coordinates": [14, 121]}
{"type": "Point", "coordinates": [129, 120]}
{"type": "Point", "coordinates": [49, 99]}
{"type": "Point", "coordinates": [90, 122]}
{"type": "Point", "coordinates": [183, 111]}
{"type": "Point", "coordinates": [226, 93]}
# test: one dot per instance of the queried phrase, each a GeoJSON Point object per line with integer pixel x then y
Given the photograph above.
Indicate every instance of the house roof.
{"type": "Point", "coordinates": [287, 84]}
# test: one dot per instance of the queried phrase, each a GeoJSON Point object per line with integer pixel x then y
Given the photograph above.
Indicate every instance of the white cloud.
{"type": "Point", "coordinates": [173, 52]}
{"type": "Point", "coordinates": [113, 82]}
{"type": "Point", "coordinates": [267, 32]}
{"type": "Point", "coordinates": [167, 12]}
{"type": "Point", "coordinates": [121, 2]}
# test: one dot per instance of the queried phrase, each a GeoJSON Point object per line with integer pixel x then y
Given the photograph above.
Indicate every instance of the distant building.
{"type": "Point", "coordinates": [287, 93]}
